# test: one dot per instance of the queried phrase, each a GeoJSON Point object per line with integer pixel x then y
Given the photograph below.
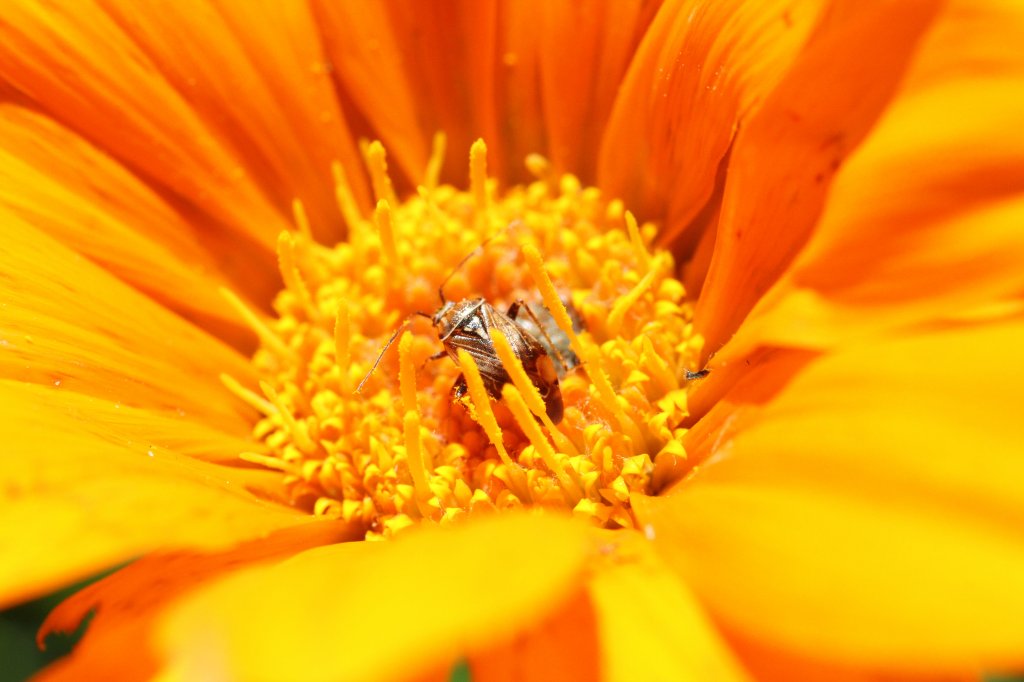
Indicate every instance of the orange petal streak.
{"type": "Point", "coordinates": [783, 160]}
{"type": "Point", "coordinates": [379, 611]}
{"type": "Point", "coordinates": [871, 515]}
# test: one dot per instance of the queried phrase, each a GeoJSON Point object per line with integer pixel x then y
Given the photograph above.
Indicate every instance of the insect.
{"type": "Point", "coordinates": [467, 325]}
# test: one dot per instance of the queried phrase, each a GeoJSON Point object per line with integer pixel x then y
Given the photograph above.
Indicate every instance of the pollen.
{"type": "Point", "coordinates": [356, 406]}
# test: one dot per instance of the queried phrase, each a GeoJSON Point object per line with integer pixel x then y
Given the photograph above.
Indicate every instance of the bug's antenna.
{"type": "Point", "coordinates": [440, 288]}
{"type": "Point", "coordinates": [402, 327]}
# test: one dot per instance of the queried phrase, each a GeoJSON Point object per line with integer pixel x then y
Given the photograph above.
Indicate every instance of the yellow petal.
{"type": "Point", "coordinates": [59, 183]}
{"type": "Point", "coordinates": [98, 495]}
{"type": "Point", "coordinates": [107, 420]}
{"type": "Point", "coordinates": [379, 611]}
{"type": "Point", "coordinates": [783, 160]}
{"type": "Point", "coordinates": [869, 514]}
{"type": "Point", "coordinates": [651, 627]}
{"type": "Point", "coordinates": [69, 324]}
{"type": "Point", "coordinates": [698, 72]}
{"type": "Point", "coordinates": [923, 222]}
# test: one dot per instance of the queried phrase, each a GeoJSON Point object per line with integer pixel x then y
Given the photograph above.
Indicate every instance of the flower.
{"type": "Point", "coordinates": [829, 204]}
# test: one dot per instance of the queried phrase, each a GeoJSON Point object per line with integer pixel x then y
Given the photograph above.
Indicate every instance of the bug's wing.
{"type": "Point", "coordinates": [536, 361]}
{"type": "Point", "coordinates": [544, 376]}
{"type": "Point", "coordinates": [491, 370]}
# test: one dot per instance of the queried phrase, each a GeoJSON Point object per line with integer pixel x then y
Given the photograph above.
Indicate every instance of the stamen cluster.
{"type": "Point", "coordinates": [401, 450]}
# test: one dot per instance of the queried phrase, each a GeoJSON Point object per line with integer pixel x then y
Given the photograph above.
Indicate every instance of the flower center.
{"type": "Point", "coordinates": [599, 340]}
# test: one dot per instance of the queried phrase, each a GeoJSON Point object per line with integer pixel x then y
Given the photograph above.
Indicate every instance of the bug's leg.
{"type": "Point", "coordinates": [436, 356]}
{"type": "Point", "coordinates": [513, 312]}
{"type": "Point", "coordinates": [459, 389]}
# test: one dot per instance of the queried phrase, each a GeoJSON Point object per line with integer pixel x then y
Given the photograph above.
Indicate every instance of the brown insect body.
{"type": "Point", "coordinates": [466, 325]}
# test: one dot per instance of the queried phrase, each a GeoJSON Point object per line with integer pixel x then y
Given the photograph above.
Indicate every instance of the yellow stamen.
{"type": "Point", "coordinates": [250, 398]}
{"type": "Point", "coordinates": [606, 394]}
{"type": "Point", "coordinates": [377, 162]}
{"type": "Point", "coordinates": [430, 206]}
{"type": "Point", "coordinates": [478, 176]}
{"type": "Point", "coordinates": [298, 431]}
{"type": "Point", "coordinates": [414, 458]}
{"type": "Point", "coordinates": [658, 368]}
{"type": "Point", "coordinates": [343, 343]}
{"type": "Point", "coordinates": [403, 452]}
{"type": "Point", "coordinates": [434, 165]}
{"type": "Point", "coordinates": [551, 297]}
{"type": "Point", "coordinates": [286, 262]}
{"type": "Point", "coordinates": [382, 217]}
{"type": "Point", "coordinates": [266, 335]}
{"type": "Point", "coordinates": [539, 167]}
{"type": "Point", "coordinates": [269, 462]}
{"type": "Point", "coordinates": [301, 219]}
{"type": "Point", "coordinates": [346, 200]}
{"type": "Point", "coordinates": [528, 391]}
{"type": "Point", "coordinates": [521, 413]}
{"type": "Point", "coordinates": [626, 302]}
{"type": "Point", "coordinates": [637, 241]}
{"type": "Point", "coordinates": [485, 415]}
{"type": "Point", "coordinates": [406, 372]}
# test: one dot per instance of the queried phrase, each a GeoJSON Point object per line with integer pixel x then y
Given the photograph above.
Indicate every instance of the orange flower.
{"type": "Point", "coordinates": [830, 196]}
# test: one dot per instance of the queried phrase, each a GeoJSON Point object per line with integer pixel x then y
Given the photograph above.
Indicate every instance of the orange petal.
{"type": "Point", "coordinates": [415, 68]}
{"type": "Point", "coordinates": [258, 79]}
{"type": "Point", "coordinates": [68, 323]}
{"type": "Point", "coordinates": [61, 184]}
{"type": "Point", "coordinates": [584, 50]}
{"type": "Point", "coordinates": [379, 611]}
{"type": "Point", "coordinates": [367, 58]}
{"type": "Point", "coordinates": [940, 234]}
{"type": "Point", "coordinates": [563, 646]}
{"type": "Point", "coordinates": [109, 82]}
{"type": "Point", "coordinates": [80, 498]}
{"type": "Point", "coordinates": [521, 125]}
{"type": "Point", "coordinates": [870, 514]}
{"type": "Point", "coordinates": [651, 627]}
{"type": "Point", "coordinates": [699, 71]}
{"type": "Point", "coordinates": [783, 160]}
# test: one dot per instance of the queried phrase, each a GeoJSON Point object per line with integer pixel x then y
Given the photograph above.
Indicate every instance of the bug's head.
{"type": "Point", "coordinates": [442, 312]}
